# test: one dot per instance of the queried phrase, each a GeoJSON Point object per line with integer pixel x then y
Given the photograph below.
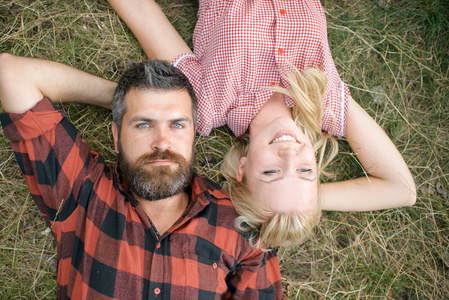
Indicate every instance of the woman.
{"type": "Point", "coordinates": [243, 70]}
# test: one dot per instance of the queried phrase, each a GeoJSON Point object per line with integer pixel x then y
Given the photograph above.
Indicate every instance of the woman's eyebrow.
{"type": "Point", "coordinates": [281, 177]}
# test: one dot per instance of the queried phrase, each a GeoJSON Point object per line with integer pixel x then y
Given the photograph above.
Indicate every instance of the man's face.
{"type": "Point", "coordinates": [155, 146]}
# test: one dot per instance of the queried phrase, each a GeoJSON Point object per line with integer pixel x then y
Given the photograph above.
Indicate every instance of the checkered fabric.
{"type": "Point", "coordinates": [106, 246]}
{"type": "Point", "coordinates": [239, 48]}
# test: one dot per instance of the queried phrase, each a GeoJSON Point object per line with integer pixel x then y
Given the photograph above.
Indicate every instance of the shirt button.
{"type": "Point", "coordinates": [214, 265]}
{"type": "Point", "coordinates": [283, 11]}
{"type": "Point", "coordinates": [158, 245]}
{"type": "Point", "coordinates": [157, 291]}
{"type": "Point", "coordinates": [281, 51]}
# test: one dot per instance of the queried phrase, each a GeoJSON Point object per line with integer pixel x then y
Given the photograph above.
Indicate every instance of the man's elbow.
{"type": "Point", "coordinates": [18, 83]}
{"type": "Point", "coordinates": [6, 76]}
{"type": "Point", "coordinates": [8, 71]}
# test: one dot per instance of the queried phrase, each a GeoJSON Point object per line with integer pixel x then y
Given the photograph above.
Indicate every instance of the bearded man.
{"type": "Point", "coordinates": [148, 228]}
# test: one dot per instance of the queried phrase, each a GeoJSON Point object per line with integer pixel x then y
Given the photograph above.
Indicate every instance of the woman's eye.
{"type": "Point", "coordinates": [270, 172]}
{"type": "Point", "coordinates": [305, 170]}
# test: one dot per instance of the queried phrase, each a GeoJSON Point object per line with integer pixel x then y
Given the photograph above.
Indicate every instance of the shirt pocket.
{"type": "Point", "coordinates": [205, 267]}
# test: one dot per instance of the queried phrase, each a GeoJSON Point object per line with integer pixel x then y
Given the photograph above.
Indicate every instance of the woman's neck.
{"type": "Point", "coordinates": [275, 107]}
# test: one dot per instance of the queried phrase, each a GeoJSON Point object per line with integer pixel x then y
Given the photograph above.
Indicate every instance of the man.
{"type": "Point", "coordinates": [151, 227]}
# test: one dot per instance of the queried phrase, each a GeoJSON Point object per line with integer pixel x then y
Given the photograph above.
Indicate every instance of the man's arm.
{"type": "Point", "coordinates": [53, 158]}
{"type": "Point", "coordinates": [389, 184]}
{"type": "Point", "coordinates": [25, 81]}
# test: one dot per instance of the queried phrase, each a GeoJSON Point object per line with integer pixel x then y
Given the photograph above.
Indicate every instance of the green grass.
{"type": "Point", "coordinates": [398, 50]}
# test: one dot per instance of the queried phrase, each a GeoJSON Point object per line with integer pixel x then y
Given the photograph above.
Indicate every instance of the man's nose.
{"type": "Point", "coordinates": [160, 140]}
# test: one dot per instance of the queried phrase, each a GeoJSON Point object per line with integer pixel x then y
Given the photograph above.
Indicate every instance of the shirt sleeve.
{"type": "Point", "coordinates": [256, 279]}
{"type": "Point", "coordinates": [52, 157]}
{"type": "Point", "coordinates": [335, 106]}
{"type": "Point", "coordinates": [190, 66]}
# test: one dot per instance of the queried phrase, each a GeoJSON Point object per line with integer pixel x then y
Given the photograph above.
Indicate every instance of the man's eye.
{"type": "Point", "coordinates": [177, 125]}
{"type": "Point", "coordinates": [143, 125]}
{"type": "Point", "coordinates": [270, 172]}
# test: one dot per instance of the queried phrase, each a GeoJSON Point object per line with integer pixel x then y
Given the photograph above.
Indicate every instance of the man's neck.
{"type": "Point", "coordinates": [164, 213]}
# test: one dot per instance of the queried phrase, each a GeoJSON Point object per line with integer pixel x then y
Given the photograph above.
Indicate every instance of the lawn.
{"type": "Point", "coordinates": [393, 54]}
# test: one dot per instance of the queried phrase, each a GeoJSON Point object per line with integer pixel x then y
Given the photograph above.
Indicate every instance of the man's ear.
{"type": "Point", "coordinates": [114, 129]}
{"type": "Point", "coordinates": [241, 169]}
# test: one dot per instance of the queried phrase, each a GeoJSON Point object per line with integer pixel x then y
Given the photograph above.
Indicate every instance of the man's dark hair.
{"type": "Point", "coordinates": [156, 75]}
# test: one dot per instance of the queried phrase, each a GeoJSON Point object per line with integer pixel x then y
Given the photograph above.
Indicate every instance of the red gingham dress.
{"type": "Point", "coordinates": [239, 48]}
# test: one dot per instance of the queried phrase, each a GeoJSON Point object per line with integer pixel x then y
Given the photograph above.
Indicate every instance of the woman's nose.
{"type": "Point", "coordinates": [288, 152]}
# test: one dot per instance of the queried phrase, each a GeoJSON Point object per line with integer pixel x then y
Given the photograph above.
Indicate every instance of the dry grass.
{"type": "Point", "coordinates": [393, 54]}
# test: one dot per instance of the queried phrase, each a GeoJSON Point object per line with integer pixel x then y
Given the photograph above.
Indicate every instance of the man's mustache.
{"type": "Point", "coordinates": [160, 155]}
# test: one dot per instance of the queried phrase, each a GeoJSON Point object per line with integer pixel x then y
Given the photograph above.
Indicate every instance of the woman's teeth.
{"type": "Point", "coordinates": [284, 138]}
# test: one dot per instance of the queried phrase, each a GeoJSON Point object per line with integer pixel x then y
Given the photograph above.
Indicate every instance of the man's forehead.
{"type": "Point", "coordinates": [168, 100]}
{"type": "Point", "coordinates": [156, 92]}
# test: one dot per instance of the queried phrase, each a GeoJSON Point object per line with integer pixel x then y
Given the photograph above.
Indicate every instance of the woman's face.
{"type": "Point", "coordinates": [280, 168]}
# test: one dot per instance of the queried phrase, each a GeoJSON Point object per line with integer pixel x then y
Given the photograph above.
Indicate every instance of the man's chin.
{"type": "Point", "coordinates": [157, 189]}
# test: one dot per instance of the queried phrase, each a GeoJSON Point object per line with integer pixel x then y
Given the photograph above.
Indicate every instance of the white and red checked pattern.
{"type": "Point", "coordinates": [239, 48]}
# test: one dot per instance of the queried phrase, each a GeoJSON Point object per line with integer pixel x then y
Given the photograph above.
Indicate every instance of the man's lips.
{"type": "Point", "coordinates": [160, 162]}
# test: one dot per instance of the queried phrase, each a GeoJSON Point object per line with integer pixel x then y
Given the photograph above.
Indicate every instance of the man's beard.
{"type": "Point", "coordinates": [156, 182]}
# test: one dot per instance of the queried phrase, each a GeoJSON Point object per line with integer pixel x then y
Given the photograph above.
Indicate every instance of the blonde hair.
{"type": "Point", "coordinates": [274, 229]}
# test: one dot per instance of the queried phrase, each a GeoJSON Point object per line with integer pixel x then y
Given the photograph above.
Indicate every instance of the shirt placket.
{"type": "Point", "coordinates": [158, 269]}
{"type": "Point", "coordinates": [160, 277]}
{"type": "Point", "coordinates": [159, 272]}
{"type": "Point", "coordinates": [281, 51]}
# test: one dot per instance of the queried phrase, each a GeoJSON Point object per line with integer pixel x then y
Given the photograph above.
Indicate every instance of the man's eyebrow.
{"type": "Point", "coordinates": [139, 118]}
{"type": "Point", "coordinates": [150, 120]}
{"type": "Point", "coordinates": [181, 119]}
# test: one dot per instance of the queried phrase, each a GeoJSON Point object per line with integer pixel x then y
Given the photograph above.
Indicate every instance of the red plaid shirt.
{"type": "Point", "coordinates": [106, 245]}
{"type": "Point", "coordinates": [239, 48]}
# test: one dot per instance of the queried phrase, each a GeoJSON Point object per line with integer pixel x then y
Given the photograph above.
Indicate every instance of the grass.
{"type": "Point", "coordinates": [394, 56]}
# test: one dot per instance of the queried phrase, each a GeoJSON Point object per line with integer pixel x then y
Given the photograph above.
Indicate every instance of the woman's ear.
{"type": "Point", "coordinates": [241, 169]}
{"type": "Point", "coordinates": [115, 135]}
